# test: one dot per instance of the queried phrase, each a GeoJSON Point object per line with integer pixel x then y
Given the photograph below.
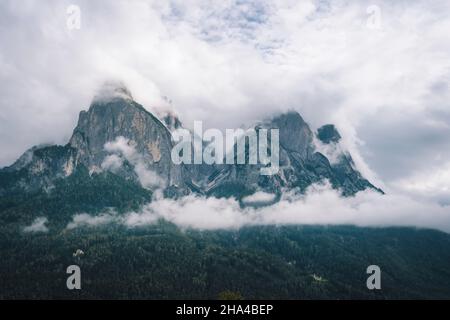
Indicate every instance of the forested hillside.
{"type": "Point", "coordinates": [162, 262]}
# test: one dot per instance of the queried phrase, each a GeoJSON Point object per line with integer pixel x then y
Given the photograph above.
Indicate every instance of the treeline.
{"type": "Point", "coordinates": [162, 262]}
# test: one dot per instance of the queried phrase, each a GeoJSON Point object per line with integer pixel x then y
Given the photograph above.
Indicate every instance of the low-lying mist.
{"type": "Point", "coordinates": [320, 205]}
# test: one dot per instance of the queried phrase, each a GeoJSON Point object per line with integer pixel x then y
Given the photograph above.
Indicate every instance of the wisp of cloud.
{"type": "Point", "coordinates": [320, 205]}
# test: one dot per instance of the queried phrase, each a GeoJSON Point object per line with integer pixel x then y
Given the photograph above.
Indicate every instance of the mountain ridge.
{"type": "Point", "coordinates": [114, 114]}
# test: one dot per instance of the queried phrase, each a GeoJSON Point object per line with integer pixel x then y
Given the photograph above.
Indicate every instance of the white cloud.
{"type": "Point", "coordinates": [38, 225]}
{"type": "Point", "coordinates": [320, 205]}
{"type": "Point", "coordinates": [124, 149]}
{"type": "Point", "coordinates": [433, 183]}
{"type": "Point", "coordinates": [259, 197]}
{"type": "Point", "coordinates": [191, 212]}
{"type": "Point", "coordinates": [112, 162]}
{"type": "Point", "coordinates": [111, 90]}
{"type": "Point", "coordinates": [333, 151]}
{"type": "Point", "coordinates": [86, 220]}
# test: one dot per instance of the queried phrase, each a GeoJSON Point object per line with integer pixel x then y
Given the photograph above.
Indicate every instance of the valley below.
{"type": "Point", "coordinates": [164, 262]}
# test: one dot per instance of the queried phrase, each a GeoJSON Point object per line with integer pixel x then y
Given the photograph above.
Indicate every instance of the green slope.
{"type": "Point", "coordinates": [260, 262]}
{"type": "Point", "coordinates": [161, 261]}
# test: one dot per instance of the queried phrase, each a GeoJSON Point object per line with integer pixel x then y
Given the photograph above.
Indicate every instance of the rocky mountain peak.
{"type": "Point", "coordinates": [295, 133]}
{"type": "Point", "coordinates": [170, 119]}
{"type": "Point", "coordinates": [111, 90]}
{"type": "Point", "coordinates": [118, 136]}
{"type": "Point", "coordinates": [328, 133]}
{"type": "Point", "coordinates": [109, 120]}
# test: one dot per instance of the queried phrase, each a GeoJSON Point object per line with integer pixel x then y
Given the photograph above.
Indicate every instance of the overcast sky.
{"type": "Point", "coordinates": [379, 70]}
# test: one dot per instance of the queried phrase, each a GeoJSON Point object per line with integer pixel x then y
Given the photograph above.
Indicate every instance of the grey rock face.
{"type": "Point", "coordinates": [295, 134]}
{"type": "Point", "coordinates": [106, 121]}
{"type": "Point", "coordinates": [112, 115]}
{"type": "Point", "coordinates": [171, 121]}
{"type": "Point", "coordinates": [37, 169]}
{"type": "Point", "coordinates": [300, 165]}
{"type": "Point", "coordinates": [328, 133]}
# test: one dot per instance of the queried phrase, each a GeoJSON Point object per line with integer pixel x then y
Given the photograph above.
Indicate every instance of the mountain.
{"type": "Point", "coordinates": [300, 164]}
{"type": "Point", "coordinates": [145, 150]}
{"type": "Point", "coordinates": [118, 136]}
{"type": "Point", "coordinates": [119, 157]}
{"type": "Point", "coordinates": [113, 114]}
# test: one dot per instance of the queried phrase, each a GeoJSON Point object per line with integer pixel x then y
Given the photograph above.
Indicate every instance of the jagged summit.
{"type": "Point", "coordinates": [26, 157]}
{"type": "Point", "coordinates": [301, 164]}
{"type": "Point", "coordinates": [122, 117]}
{"type": "Point", "coordinates": [111, 90]}
{"type": "Point", "coordinates": [116, 135]}
{"type": "Point", "coordinates": [328, 133]}
{"type": "Point", "coordinates": [295, 134]}
{"type": "Point", "coordinates": [169, 118]}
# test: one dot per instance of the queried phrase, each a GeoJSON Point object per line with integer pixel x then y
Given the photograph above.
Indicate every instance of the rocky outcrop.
{"type": "Point", "coordinates": [301, 164]}
{"type": "Point", "coordinates": [328, 134]}
{"type": "Point", "coordinates": [105, 121]}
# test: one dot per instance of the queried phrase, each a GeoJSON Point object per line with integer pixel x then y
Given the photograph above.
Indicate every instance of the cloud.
{"type": "Point", "coordinates": [111, 90]}
{"type": "Point", "coordinates": [38, 225]}
{"type": "Point", "coordinates": [333, 151]}
{"type": "Point", "coordinates": [123, 149]}
{"type": "Point", "coordinates": [86, 220]}
{"type": "Point", "coordinates": [321, 205]}
{"type": "Point", "coordinates": [259, 197]}
{"type": "Point", "coordinates": [191, 212]}
{"type": "Point", "coordinates": [112, 162]}
{"type": "Point", "coordinates": [433, 183]}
